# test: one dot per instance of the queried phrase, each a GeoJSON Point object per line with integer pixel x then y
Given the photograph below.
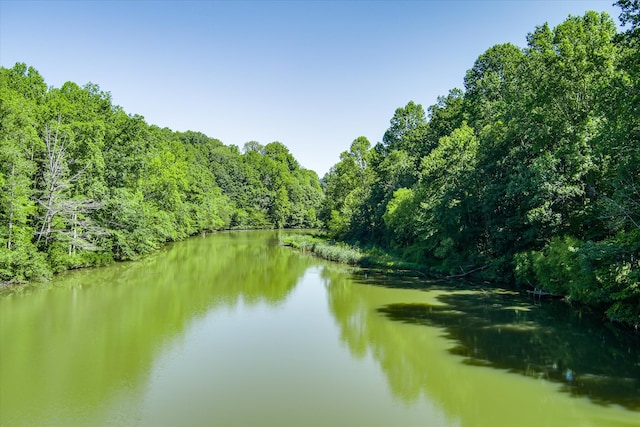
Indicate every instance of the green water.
{"type": "Point", "coordinates": [233, 330]}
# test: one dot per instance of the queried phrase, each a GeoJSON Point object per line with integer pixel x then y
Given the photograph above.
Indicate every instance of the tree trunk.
{"type": "Point", "coordinates": [54, 178]}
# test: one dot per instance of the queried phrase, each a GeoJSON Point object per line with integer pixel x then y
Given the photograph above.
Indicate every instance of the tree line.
{"type": "Point", "coordinates": [84, 183]}
{"type": "Point", "coordinates": [528, 176]}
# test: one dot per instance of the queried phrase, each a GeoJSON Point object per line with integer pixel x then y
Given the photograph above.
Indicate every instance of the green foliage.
{"type": "Point", "coordinates": [602, 274]}
{"type": "Point", "coordinates": [556, 268]}
{"type": "Point", "coordinates": [21, 93]}
{"type": "Point", "coordinates": [22, 262]}
{"type": "Point", "coordinates": [83, 183]}
{"type": "Point", "coordinates": [490, 84]}
{"type": "Point", "coordinates": [343, 253]}
{"type": "Point", "coordinates": [407, 131]}
{"type": "Point", "coordinates": [332, 251]}
{"type": "Point", "coordinates": [531, 176]}
{"type": "Point", "coordinates": [346, 187]}
{"type": "Point", "coordinates": [630, 13]}
{"type": "Point", "coordinates": [614, 265]}
{"type": "Point", "coordinates": [445, 220]}
{"type": "Point", "coordinates": [399, 217]}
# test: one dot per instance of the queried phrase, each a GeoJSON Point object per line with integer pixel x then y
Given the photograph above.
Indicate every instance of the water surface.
{"type": "Point", "coordinates": [234, 330]}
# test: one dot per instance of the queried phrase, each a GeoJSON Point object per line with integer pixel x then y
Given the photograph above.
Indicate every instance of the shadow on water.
{"type": "Point", "coordinates": [540, 339]}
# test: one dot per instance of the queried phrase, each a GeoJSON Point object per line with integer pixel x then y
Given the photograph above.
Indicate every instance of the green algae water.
{"type": "Point", "coordinates": [234, 330]}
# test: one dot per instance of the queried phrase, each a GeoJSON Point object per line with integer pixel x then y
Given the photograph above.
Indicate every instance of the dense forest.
{"type": "Point", "coordinates": [530, 176]}
{"type": "Point", "coordinates": [84, 183]}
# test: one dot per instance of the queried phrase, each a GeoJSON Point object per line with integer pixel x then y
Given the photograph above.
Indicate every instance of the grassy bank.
{"type": "Point", "coordinates": [341, 252]}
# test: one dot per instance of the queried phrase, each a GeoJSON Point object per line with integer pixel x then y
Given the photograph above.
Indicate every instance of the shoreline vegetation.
{"type": "Point", "coordinates": [319, 244]}
{"type": "Point", "coordinates": [84, 183]}
{"type": "Point", "coordinates": [9, 284]}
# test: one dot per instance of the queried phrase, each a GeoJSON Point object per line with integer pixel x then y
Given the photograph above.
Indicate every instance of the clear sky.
{"type": "Point", "coordinates": [313, 75]}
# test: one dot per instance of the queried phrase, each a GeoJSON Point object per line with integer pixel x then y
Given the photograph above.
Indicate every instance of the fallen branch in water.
{"type": "Point", "coordinates": [466, 273]}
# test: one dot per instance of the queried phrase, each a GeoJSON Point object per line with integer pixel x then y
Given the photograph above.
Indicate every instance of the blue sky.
{"type": "Point", "coordinates": [313, 75]}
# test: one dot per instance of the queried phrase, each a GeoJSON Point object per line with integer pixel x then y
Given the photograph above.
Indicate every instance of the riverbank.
{"type": "Point", "coordinates": [321, 246]}
{"type": "Point", "coordinates": [48, 275]}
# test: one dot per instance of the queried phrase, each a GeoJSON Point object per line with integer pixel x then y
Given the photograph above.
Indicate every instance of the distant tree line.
{"type": "Point", "coordinates": [529, 176]}
{"type": "Point", "coordinates": [83, 183]}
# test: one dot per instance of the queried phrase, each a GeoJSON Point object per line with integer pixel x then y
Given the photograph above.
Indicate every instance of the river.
{"type": "Point", "coordinates": [232, 329]}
